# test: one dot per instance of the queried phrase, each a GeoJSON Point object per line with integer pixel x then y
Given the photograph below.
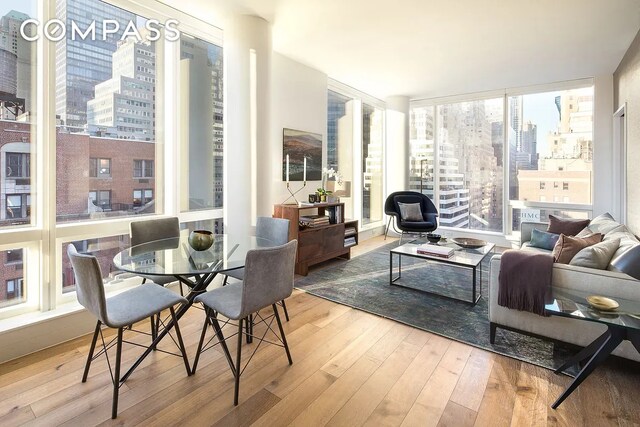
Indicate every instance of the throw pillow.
{"type": "Point", "coordinates": [543, 240]}
{"type": "Point", "coordinates": [596, 256]}
{"type": "Point", "coordinates": [566, 226]}
{"type": "Point", "coordinates": [410, 212]}
{"type": "Point", "coordinates": [568, 246]}
{"type": "Point", "coordinates": [603, 224]}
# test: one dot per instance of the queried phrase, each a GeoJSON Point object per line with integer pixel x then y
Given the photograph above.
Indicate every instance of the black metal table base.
{"type": "Point", "coordinates": [476, 285]}
{"type": "Point", "coordinates": [596, 353]}
{"type": "Point", "coordinates": [197, 287]}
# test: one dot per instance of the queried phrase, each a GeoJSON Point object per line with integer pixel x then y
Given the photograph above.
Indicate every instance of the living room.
{"type": "Point", "coordinates": [510, 123]}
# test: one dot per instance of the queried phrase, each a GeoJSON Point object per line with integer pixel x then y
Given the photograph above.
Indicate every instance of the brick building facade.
{"type": "Point", "coordinates": [79, 179]}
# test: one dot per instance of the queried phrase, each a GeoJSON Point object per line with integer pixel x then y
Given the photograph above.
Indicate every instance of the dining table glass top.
{"type": "Point", "coordinates": [175, 257]}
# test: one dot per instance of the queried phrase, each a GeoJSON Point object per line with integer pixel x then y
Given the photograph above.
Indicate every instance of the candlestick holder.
{"type": "Point", "coordinates": [293, 193]}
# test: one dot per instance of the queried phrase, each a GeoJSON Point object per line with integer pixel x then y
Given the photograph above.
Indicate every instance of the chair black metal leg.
{"type": "Point", "coordinates": [91, 350]}
{"type": "Point", "coordinates": [201, 343]}
{"type": "Point", "coordinates": [284, 339]}
{"type": "Point", "coordinates": [144, 280]}
{"type": "Point", "coordinates": [224, 282]}
{"type": "Point", "coordinates": [238, 362]}
{"type": "Point", "coordinates": [386, 230]}
{"type": "Point", "coordinates": [222, 341]}
{"type": "Point", "coordinates": [154, 329]}
{"type": "Point", "coordinates": [249, 328]}
{"type": "Point", "coordinates": [180, 342]}
{"type": "Point", "coordinates": [284, 308]}
{"type": "Point", "coordinates": [116, 375]}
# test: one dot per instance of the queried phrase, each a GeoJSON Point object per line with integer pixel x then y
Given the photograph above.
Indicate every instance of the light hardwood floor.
{"type": "Point", "coordinates": [350, 369]}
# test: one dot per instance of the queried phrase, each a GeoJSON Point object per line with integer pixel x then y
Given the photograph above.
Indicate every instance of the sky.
{"type": "Point", "coordinates": [24, 6]}
{"type": "Point", "coordinates": [541, 110]}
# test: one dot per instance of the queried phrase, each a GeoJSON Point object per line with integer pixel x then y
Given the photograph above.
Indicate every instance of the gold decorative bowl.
{"type": "Point", "coordinates": [201, 240]}
{"type": "Point", "coordinates": [602, 303]}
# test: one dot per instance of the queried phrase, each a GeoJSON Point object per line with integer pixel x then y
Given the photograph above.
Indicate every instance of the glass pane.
{"type": "Point", "coordinates": [104, 249]}
{"type": "Point", "coordinates": [202, 112]}
{"type": "Point", "coordinates": [421, 153]}
{"type": "Point", "coordinates": [17, 107]}
{"type": "Point", "coordinates": [470, 166]}
{"type": "Point", "coordinates": [542, 215]}
{"type": "Point", "coordinates": [372, 143]}
{"type": "Point", "coordinates": [551, 147]}
{"type": "Point", "coordinates": [12, 285]}
{"type": "Point", "coordinates": [340, 146]}
{"type": "Point", "coordinates": [106, 109]}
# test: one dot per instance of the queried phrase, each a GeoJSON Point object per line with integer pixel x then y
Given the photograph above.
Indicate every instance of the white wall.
{"type": "Point", "coordinates": [397, 140]}
{"type": "Point", "coordinates": [298, 101]}
{"type": "Point", "coordinates": [603, 166]}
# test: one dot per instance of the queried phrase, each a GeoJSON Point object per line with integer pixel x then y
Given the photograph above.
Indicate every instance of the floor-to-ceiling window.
{"type": "Point", "coordinates": [372, 156]}
{"type": "Point", "coordinates": [83, 160]}
{"type": "Point", "coordinates": [470, 177]}
{"type": "Point", "coordinates": [355, 150]}
{"type": "Point", "coordinates": [19, 188]}
{"type": "Point", "coordinates": [340, 146]}
{"type": "Point", "coordinates": [480, 167]}
{"type": "Point", "coordinates": [550, 138]}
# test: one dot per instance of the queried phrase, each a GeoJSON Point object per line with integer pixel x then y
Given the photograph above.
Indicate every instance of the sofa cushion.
{"type": "Point", "coordinates": [526, 246]}
{"type": "Point", "coordinates": [568, 246]}
{"type": "Point", "coordinates": [410, 211]}
{"type": "Point", "coordinates": [603, 224]}
{"type": "Point", "coordinates": [596, 256]}
{"type": "Point", "coordinates": [566, 226]}
{"type": "Point", "coordinates": [543, 239]}
{"type": "Point", "coordinates": [627, 241]}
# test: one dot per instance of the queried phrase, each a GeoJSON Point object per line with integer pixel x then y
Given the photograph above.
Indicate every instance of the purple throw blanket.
{"type": "Point", "coordinates": [525, 280]}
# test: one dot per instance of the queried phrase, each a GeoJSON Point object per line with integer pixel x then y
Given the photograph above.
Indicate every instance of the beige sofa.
{"type": "Point", "coordinates": [599, 282]}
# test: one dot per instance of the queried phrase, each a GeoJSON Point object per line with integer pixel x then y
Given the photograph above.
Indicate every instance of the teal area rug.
{"type": "Point", "coordinates": [363, 283]}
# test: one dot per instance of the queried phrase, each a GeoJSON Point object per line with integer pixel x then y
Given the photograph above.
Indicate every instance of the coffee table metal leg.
{"type": "Point", "coordinates": [391, 278]}
{"type": "Point", "coordinates": [613, 340]}
{"type": "Point", "coordinates": [586, 352]}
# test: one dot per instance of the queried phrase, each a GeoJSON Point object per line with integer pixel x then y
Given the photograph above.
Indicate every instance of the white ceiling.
{"type": "Point", "coordinates": [428, 48]}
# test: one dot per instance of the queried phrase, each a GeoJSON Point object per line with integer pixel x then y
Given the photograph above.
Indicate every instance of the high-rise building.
{"type": "Point", "coordinates": [126, 102]}
{"type": "Point", "coordinates": [16, 59]}
{"type": "Point", "coordinates": [201, 65]}
{"type": "Point", "coordinates": [453, 203]}
{"type": "Point", "coordinates": [83, 63]}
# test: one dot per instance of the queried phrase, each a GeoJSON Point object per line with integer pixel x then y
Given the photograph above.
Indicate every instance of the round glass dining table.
{"type": "Point", "coordinates": [196, 269]}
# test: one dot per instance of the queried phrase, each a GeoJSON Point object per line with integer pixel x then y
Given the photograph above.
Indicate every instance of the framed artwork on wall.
{"type": "Point", "coordinates": [299, 145]}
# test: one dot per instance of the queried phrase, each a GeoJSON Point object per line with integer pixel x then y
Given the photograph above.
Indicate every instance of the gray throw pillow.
{"type": "Point", "coordinates": [543, 239]}
{"type": "Point", "coordinates": [410, 212]}
{"type": "Point", "coordinates": [596, 256]}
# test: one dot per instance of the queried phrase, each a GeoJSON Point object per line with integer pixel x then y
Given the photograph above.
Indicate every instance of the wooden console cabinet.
{"type": "Point", "coordinates": [318, 244]}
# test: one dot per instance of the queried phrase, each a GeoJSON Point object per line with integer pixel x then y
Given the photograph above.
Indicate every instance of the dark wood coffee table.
{"type": "Point", "coordinates": [622, 324]}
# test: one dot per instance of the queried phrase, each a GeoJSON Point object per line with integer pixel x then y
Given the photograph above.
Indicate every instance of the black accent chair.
{"type": "Point", "coordinates": [429, 213]}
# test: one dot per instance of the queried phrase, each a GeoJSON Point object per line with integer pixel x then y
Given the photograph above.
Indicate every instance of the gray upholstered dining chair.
{"type": "Point", "coordinates": [118, 312]}
{"type": "Point", "coordinates": [149, 230]}
{"type": "Point", "coordinates": [275, 230]}
{"type": "Point", "coordinates": [268, 278]}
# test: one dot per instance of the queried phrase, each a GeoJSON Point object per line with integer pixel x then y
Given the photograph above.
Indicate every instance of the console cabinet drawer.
{"type": "Point", "coordinates": [315, 243]}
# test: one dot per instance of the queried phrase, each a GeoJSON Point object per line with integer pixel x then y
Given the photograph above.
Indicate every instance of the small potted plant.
{"type": "Point", "coordinates": [322, 194]}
